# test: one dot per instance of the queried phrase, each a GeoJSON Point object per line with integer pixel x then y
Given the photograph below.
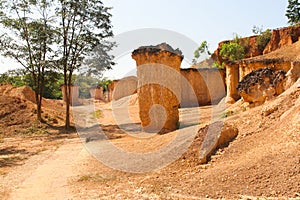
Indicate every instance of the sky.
{"type": "Point", "coordinates": [198, 20]}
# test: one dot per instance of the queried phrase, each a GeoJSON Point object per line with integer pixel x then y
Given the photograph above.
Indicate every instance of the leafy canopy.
{"type": "Point", "coordinates": [293, 12]}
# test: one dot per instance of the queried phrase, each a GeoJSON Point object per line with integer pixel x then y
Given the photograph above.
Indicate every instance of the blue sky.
{"type": "Point", "coordinates": [210, 20]}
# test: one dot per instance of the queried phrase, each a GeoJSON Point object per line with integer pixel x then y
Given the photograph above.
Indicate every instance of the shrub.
{"type": "Point", "coordinates": [233, 50]}
{"type": "Point", "coordinates": [218, 66]}
{"type": "Point", "coordinates": [263, 37]}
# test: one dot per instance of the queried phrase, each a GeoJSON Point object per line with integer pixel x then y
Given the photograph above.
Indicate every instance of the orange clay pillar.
{"type": "Point", "coordinates": [232, 80]}
{"type": "Point", "coordinates": [158, 73]}
{"type": "Point", "coordinates": [74, 94]}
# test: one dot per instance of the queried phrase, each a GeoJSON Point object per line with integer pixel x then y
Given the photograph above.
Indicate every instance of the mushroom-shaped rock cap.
{"type": "Point", "coordinates": [163, 47]}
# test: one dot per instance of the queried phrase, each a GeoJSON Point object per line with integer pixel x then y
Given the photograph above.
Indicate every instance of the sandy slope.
{"type": "Point", "coordinates": [263, 161]}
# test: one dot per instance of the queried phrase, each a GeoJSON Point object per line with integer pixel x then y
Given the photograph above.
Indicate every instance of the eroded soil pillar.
{"type": "Point", "coordinates": [232, 80]}
{"type": "Point", "coordinates": [74, 94]}
{"type": "Point", "coordinates": [97, 93]}
{"type": "Point", "coordinates": [159, 87]}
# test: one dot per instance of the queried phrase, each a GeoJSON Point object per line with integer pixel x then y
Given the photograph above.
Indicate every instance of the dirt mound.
{"type": "Point", "coordinates": [15, 114]}
{"type": "Point", "coordinates": [23, 92]}
{"type": "Point", "coordinates": [18, 111]}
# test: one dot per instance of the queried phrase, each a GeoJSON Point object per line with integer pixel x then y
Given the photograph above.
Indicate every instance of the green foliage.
{"type": "Point", "coordinates": [218, 66]}
{"type": "Point", "coordinates": [104, 83]}
{"type": "Point", "coordinates": [53, 81]}
{"type": "Point", "coordinates": [36, 129]}
{"type": "Point", "coordinates": [263, 37]}
{"type": "Point", "coordinates": [64, 35]}
{"type": "Point", "coordinates": [203, 48]}
{"type": "Point", "coordinates": [293, 12]}
{"type": "Point", "coordinates": [97, 114]}
{"type": "Point", "coordinates": [257, 30]}
{"type": "Point", "coordinates": [17, 77]}
{"type": "Point", "coordinates": [233, 50]}
{"type": "Point", "coordinates": [100, 178]}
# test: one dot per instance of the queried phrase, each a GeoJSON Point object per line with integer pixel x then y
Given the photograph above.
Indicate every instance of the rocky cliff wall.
{"type": "Point", "coordinates": [282, 37]}
{"type": "Point", "coordinates": [201, 86]}
{"type": "Point", "coordinates": [123, 87]}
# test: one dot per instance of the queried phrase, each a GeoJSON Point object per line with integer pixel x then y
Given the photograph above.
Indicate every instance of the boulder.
{"type": "Point", "coordinates": [261, 84]}
{"type": "Point", "coordinates": [218, 135]}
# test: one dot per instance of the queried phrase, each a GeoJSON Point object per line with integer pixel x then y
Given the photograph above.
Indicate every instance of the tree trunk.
{"type": "Point", "coordinates": [36, 86]}
{"type": "Point", "coordinates": [38, 106]}
{"type": "Point", "coordinates": [67, 95]}
{"type": "Point", "coordinates": [69, 82]}
{"type": "Point", "coordinates": [39, 111]}
{"type": "Point", "coordinates": [67, 126]}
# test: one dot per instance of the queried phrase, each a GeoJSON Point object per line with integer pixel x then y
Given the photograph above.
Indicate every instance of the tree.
{"type": "Point", "coordinates": [293, 12]}
{"type": "Point", "coordinates": [84, 25]}
{"type": "Point", "coordinates": [203, 48]}
{"type": "Point", "coordinates": [41, 34]}
{"type": "Point", "coordinates": [28, 39]}
{"type": "Point", "coordinates": [233, 50]}
{"type": "Point", "coordinates": [104, 83]}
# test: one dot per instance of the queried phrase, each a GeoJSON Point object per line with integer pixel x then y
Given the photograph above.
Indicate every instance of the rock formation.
{"type": "Point", "coordinates": [202, 86]}
{"type": "Point", "coordinates": [218, 135]}
{"type": "Point", "coordinates": [97, 93]}
{"type": "Point", "coordinates": [282, 37]}
{"type": "Point", "coordinates": [232, 79]}
{"type": "Point", "coordinates": [279, 53]}
{"type": "Point", "coordinates": [111, 88]}
{"type": "Point", "coordinates": [124, 87]}
{"type": "Point", "coordinates": [158, 72]}
{"type": "Point", "coordinates": [280, 59]}
{"type": "Point", "coordinates": [24, 92]}
{"type": "Point", "coordinates": [261, 84]}
{"type": "Point", "coordinates": [251, 49]}
{"type": "Point", "coordinates": [292, 75]}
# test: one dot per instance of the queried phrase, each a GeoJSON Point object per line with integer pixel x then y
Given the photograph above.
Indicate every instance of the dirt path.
{"type": "Point", "coordinates": [45, 176]}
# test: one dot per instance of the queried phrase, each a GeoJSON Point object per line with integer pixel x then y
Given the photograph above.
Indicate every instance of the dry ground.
{"type": "Point", "coordinates": [263, 162]}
